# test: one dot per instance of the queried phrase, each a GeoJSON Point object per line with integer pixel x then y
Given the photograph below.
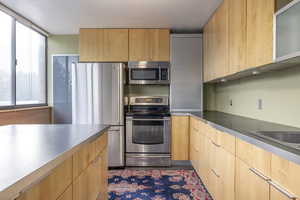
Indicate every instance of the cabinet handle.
{"type": "Point", "coordinates": [217, 145]}
{"type": "Point", "coordinates": [213, 171]}
{"type": "Point", "coordinates": [259, 174]}
{"type": "Point", "coordinates": [282, 190]}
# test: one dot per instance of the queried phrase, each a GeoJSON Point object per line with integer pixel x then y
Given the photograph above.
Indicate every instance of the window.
{"type": "Point", "coordinates": [22, 64]}
{"type": "Point", "coordinates": [30, 70]}
{"type": "Point", "coordinates": [6, 96]}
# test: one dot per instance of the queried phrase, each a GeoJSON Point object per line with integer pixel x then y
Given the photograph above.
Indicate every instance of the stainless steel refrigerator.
{"type": "Point", "coordinates": [97, 95]}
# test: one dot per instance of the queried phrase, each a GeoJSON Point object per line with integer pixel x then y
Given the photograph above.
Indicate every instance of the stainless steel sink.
{"type": "Point", "coordinates": [288, 138]}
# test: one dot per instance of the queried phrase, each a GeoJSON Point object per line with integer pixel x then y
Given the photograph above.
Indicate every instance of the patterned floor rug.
{"type": "Point", "coordinates": [156, 185]}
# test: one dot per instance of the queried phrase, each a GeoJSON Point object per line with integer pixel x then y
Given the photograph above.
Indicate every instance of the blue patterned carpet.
{"type": "Point", "coordinates": [156, 185]}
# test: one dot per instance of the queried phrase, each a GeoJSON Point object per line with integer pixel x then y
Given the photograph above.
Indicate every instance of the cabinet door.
{"type": "Point", "coordinates": [249, 186]}
{"type": "Point", "coordinates": [286, 175]}
{"type": "Point", "coordinates": [226, 162]}
{"type": "Point", "coordinates": [115, 45]}
{"type": "Point", "coordinates": [103, 45]}
{"type": "Point", "coordinates": [259, 32]}
{"type": "Point", "coordinates": [149, 45]}
{"type": "Point", "coordinates": [237, 35]}
{"type": "Point", "coordinates": [82, 158]}
{"type": "Point", "coordinates": [208, 51]}
{"type": "Point", "coordinates": [84, 186]}
{"type": "Point", "coordinates": [91, 45]}
{"type": "Point", "coordinates": [220, 47]}
{"type": "Point", "coordinates": [205, 53]}
{"type": "Point", "coordinates": [51, 187]}
{"type": "Point", "coordinates": [254, 156]}
{"type": "Point", "coordinates": [180, 138]}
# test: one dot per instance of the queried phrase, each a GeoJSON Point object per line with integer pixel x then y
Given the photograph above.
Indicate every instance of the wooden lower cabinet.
{"type": "Point", "coordinates": [286, 176]}
{"type": "Point", "coordinates": [67, 195]}
{"type": "Point", "coordinates": [103, 169]}
{"type": "Point", "coordinates": [222, 170]}
{"type": "Point", "coordinates": [83, 176]}
{"type": "Point", "coordinates": [51, 187]}
{"type": "Point", "coordinates": [180, 137]}
{"type": "Point", "coordinates": [92, 183]}
{"type": "Point", "coordinates": [248, 185]}
{"type": "Point", "coordinates": [84, 186]}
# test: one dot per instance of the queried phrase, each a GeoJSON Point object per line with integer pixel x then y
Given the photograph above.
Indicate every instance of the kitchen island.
{"type": "Point", "coordinates": [53, 162]}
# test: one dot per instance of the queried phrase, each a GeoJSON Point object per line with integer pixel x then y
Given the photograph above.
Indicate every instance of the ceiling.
{"type": "Point", "coordinates": [67, 16]}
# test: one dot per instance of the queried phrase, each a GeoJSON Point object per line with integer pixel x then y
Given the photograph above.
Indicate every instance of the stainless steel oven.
{"type": "Point", "coordinates": [148, 134]}
{"type": "Point", "coordinates": [149, 72]}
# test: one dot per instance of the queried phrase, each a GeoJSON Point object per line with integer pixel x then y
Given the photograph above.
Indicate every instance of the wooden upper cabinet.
{"type": "Point", "coordinates": [259, 32]}
{"type": "Point", "coordinates": [220, 42]}
{"type": "Point", "coordinates": [103, 45]}
{"type": "Point", "coordinates": [149, 45]}
{"type": "Point", "coordinates": [237, 35]}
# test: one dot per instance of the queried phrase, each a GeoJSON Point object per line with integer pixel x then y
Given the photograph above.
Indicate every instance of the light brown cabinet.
{"type": "Point", "coordinates": [238, 36]}
{"type": "Point", "coordinates": [220, 37]}
{"type": "Point", "coordinates": [51, 187]}
{"type": "Point", "coordinates": [103, 45]}
{"type": "Point", "coordinates": [248, 185]}
{"type": "Point", "coordinates": [211, 160]}
{"type": "Point", "coordinates": [180, 138]}
{"type": "Point", "coordinates": [222, 169]}
{"type": "Point", "coordinates": [83, 175]}
{"type": "Point", "coordinates": [259, 32]}
{"type": "Point", "coordinates": [232, 169]}
{"type": "Point", "coordinates": [285, 174]}
{"type": "Point", "coordinates": [149, 45]}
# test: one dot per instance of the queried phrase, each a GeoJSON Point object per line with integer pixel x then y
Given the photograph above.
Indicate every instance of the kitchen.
{"type": "Point", "coordinates": [139, 105]}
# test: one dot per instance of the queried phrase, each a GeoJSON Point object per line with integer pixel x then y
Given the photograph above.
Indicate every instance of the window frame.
{"type": "Point", "coordinates": [14, 65]}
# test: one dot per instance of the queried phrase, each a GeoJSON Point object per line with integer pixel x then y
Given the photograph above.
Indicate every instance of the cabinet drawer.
{"type": "Point", "coordinates": [51, 187]}
{"type": "Point", "coordinates": [83, 157]}
{"type": "Point", "coordinates": [254, 156]}
{"type": "Point", "coordinates": [226, 141]}
{"type": "Point", "coordinates": [286, 174]}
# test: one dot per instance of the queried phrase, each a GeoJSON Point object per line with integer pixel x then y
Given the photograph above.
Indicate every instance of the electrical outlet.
{"type": "Point", "coordinates": [231, 102]}
{"type": "Point", "coordinates": [260, 104]}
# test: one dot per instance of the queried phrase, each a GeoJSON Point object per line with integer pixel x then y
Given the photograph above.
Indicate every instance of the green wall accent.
{"type": "Point", "coordinates": [59, 44]}
{"type": "Point", "coordinates": [146, 90]}
{"type": "Point", "coordinates": [279, 91]}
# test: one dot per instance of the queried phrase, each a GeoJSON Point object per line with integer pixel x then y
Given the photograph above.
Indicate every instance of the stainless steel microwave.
{"type": "Point", "coordinates": [149, 72]}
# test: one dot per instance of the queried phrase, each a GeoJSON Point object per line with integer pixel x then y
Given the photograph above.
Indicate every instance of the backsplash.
{"type": "Point", "coordinates": [146, 90]}
{"type": "Point", "coordinates": [272, 96]}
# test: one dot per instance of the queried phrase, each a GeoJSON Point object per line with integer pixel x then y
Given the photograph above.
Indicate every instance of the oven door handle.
{"type": "Point", "coordinates": [164, 119]}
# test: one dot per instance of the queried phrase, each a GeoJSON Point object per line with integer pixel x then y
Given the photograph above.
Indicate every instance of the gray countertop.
{"type": "Point", "coordinates": [29, 152]}
{"type": "Point", "coordinates": [244, 128]}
